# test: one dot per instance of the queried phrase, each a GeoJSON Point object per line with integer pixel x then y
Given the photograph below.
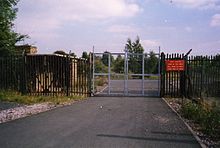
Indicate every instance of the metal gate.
{"type": "Point", "coordinates": [126, 74]}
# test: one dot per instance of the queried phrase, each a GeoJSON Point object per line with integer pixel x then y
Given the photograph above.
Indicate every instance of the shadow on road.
{"type": "Point", "coordinates": [150, 139]}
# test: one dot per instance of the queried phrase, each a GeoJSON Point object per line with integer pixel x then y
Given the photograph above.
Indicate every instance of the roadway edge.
{"type": "Point", "coordinates": [190, 129]}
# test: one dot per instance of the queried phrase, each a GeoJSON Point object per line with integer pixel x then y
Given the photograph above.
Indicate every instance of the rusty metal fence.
{"type": "Point", "coordinates": [49, 75]}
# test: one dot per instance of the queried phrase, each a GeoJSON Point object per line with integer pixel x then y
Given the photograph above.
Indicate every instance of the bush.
{"type": "Point", "coordinates": [193, 111]}
{"type": "Point", "coordinates": [209, 120]}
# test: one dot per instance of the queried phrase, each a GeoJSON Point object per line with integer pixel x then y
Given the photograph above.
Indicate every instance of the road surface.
{"type": "Point", "coordinates": [101, 122]}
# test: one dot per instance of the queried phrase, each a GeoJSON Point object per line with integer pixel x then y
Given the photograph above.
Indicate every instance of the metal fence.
{"type": "Point", "coordinates": [51, 75]}
{"type": "Point", "coordinates": [200, 79]}
{"type": "Point", "coordinates": [172, 82]}
{"type": "Point", "coordinates": [126, 74]}
{"type": "Point", "coordinates": [203, 76]}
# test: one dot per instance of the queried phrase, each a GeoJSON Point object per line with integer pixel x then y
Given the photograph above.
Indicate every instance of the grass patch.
{"type": "Point", "coordinates": [152, 77]}
{"type": "Point", "coordinates": [101, 81]}
{"type": "Point", "coordinates": [11, 96]}
{"type": "Point", "coordinates": [208, 119]}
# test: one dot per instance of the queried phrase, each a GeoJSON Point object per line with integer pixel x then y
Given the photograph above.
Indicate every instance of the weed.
{"type": "Point", "coordinates": [209, 120]}
{"type": "Point", "coordinates": [11, 96]}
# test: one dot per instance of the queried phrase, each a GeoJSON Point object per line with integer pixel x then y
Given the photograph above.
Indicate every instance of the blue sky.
{"type": "Point", "coordinates": [78, 25]}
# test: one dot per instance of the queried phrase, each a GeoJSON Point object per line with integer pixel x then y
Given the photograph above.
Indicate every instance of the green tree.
{"type": "Point", "coordinates": [151, 64]}
{"type": "Point", "coordinates": [85, 55]}
{"type": "Point", "coordinates": [134, 47]}
{"type": "Point", "coordinates": [105, 58]}
{"type": "Point", "coordinates": [73, 54]}
{"type": "Point", "coordinates": [99, 66]}
{"type": "Point", "coordinates": [119, 65]}
{"type": "Point", "coordinates": [8, 37]}
{"type": "Point", "coordinates": [61, 52]}
{"type": "Point", "coordinates": [135, 60]}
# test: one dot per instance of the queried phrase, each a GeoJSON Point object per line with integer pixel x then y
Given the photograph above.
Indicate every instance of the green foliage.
{"type": "Point", "coordinates": [134, 47]}
{"type": "Point", "coordinates": [73, 54]}
{"type": "Point", "coordinates": [100, 81]}
{"type": "Point", "coordinates": [8, 37]}
{"type": "Point", "coordinates": [209, 120]}
{"type": "Point", "coordinates": [151, 64]}
{"type": "Point", "coordinates": [105, 58]}
{"type": "Point", "coordinates": [99, 66]}
{"type": "Point", "coordinates": [193, 111]}
{"type": "Point", "coordinates": [61, 52]}
{"type": "Point", "coordinates": [135, 61]}
{"type": "Point", "coordinates": [85, 55]}
{"type": "Point", "coordinates": [12, 96]}
{"type": "Point", "coordinates": [119, 65]}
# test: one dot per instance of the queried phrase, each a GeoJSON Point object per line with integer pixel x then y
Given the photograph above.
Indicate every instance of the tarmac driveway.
{"type": "Point", "coordinates": [101, 122]}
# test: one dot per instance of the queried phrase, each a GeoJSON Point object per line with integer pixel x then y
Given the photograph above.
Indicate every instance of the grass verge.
{"type": "Point", "coordinates": [12, 96]}
{"type": "Point", "coordinates": [203, 120]}
{"type": "Point", "coordinates": [207, 119]}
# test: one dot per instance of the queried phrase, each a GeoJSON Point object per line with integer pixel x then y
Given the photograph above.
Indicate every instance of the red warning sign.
{"type": "Point", "coordinates": [175, 65]}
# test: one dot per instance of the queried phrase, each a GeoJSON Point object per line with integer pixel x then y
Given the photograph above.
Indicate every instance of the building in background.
{"type": "Point", "coordinates": [28, 49]}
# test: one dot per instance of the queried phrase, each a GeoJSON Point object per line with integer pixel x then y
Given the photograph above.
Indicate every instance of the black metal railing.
{"type": "Point", "coordinates": [201, 77]}
{"type": "Point", "coordinates": [54, 75]}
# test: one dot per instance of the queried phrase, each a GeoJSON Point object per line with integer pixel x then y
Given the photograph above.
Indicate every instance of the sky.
{"type": "Point", "coordinates": [77, 25]}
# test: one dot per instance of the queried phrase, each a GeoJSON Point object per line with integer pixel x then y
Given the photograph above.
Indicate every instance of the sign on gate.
{"type": "Point", "coordinates": [175, 65]}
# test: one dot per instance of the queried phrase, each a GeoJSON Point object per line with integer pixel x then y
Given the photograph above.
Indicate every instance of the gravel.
{"type": "Point", "coordinates": [8, 105]}
{"type": "Point", "coordinates": [11, 111]}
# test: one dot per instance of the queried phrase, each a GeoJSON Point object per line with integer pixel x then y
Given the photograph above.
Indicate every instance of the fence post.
{"type": "Point", "coordinates": [162, 75]}
{"type": "Point", "coordinates": [90, 75]}
{"type": "Point", "coordinates": [67, 71]}
{"type": "Point", "coordinates": [185, 76]}
{"type": "Point", "coordinates": [202, 77]}
{"type": "Point", "coordinates": [23, 79]}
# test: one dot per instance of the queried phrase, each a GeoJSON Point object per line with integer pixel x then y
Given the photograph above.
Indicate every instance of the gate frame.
{"type": "Point", "coordinates": [126, 74]}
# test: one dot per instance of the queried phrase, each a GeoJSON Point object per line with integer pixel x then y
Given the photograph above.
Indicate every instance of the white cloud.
{"type": "Point", "coordinates": [122, 29]}
{"type": "Point", "coordinates": [81, 10]}
{"type": "Point", "coordinates": [215, 22]}
{"type": "Point", "coordinates": [203, 4]}
{"type": "Point", "coordinates": [147, 44]}
{"type": "Point", "coordinates": [42, 19]}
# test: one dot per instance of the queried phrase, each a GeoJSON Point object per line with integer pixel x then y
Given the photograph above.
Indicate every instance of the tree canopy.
{"type": "Point", "coordinates": [85, 55]}
{"type": "Point", "coordinates": [105, 58]}
{"type": "Point", "coordinates": [119, 64]}
{"type": "Point", "coordinates": [134, 47]}
{"type": "Point", "coordinates": [135, 60]}
{"type": "Point", "coordinates": [8, 37]}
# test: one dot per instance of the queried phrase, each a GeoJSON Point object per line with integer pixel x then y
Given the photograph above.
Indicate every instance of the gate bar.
{"type": "Point", "coordinates": [159, 79]}
{"type": "Point", "coordinates": [143, 56]}
{"type": "Point", "coordinates": [109, 73]}
{"type": "Point", "coordinates": [126, 72]}
{"type": "Point", "coordinates": [93, 70]}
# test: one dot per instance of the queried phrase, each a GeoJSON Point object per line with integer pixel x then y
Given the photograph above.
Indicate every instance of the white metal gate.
{"type": "Point", "coordinates": [128, 75]}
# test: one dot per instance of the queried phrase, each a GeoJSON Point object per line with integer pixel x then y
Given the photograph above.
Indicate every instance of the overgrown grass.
{"type": "Point", "coordinates": [209, 120]}
{"type": "Point", "coordinates": [152, 77]}
{"type": "Point", "coordinates": [11, 96]}
{"type": "Point", "coordinates": [101, 81]}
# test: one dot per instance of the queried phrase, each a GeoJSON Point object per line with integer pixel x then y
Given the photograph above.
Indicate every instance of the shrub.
{"type": "Point", "coordinates": [192, 111]}
{"type": "Point", "coordinates": [209, 120]}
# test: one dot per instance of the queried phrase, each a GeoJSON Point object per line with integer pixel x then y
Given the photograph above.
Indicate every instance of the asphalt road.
{"type": "Point", "coordinates": [134, 87]}
{"type": "Point", "coordinates": [101, 122]}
